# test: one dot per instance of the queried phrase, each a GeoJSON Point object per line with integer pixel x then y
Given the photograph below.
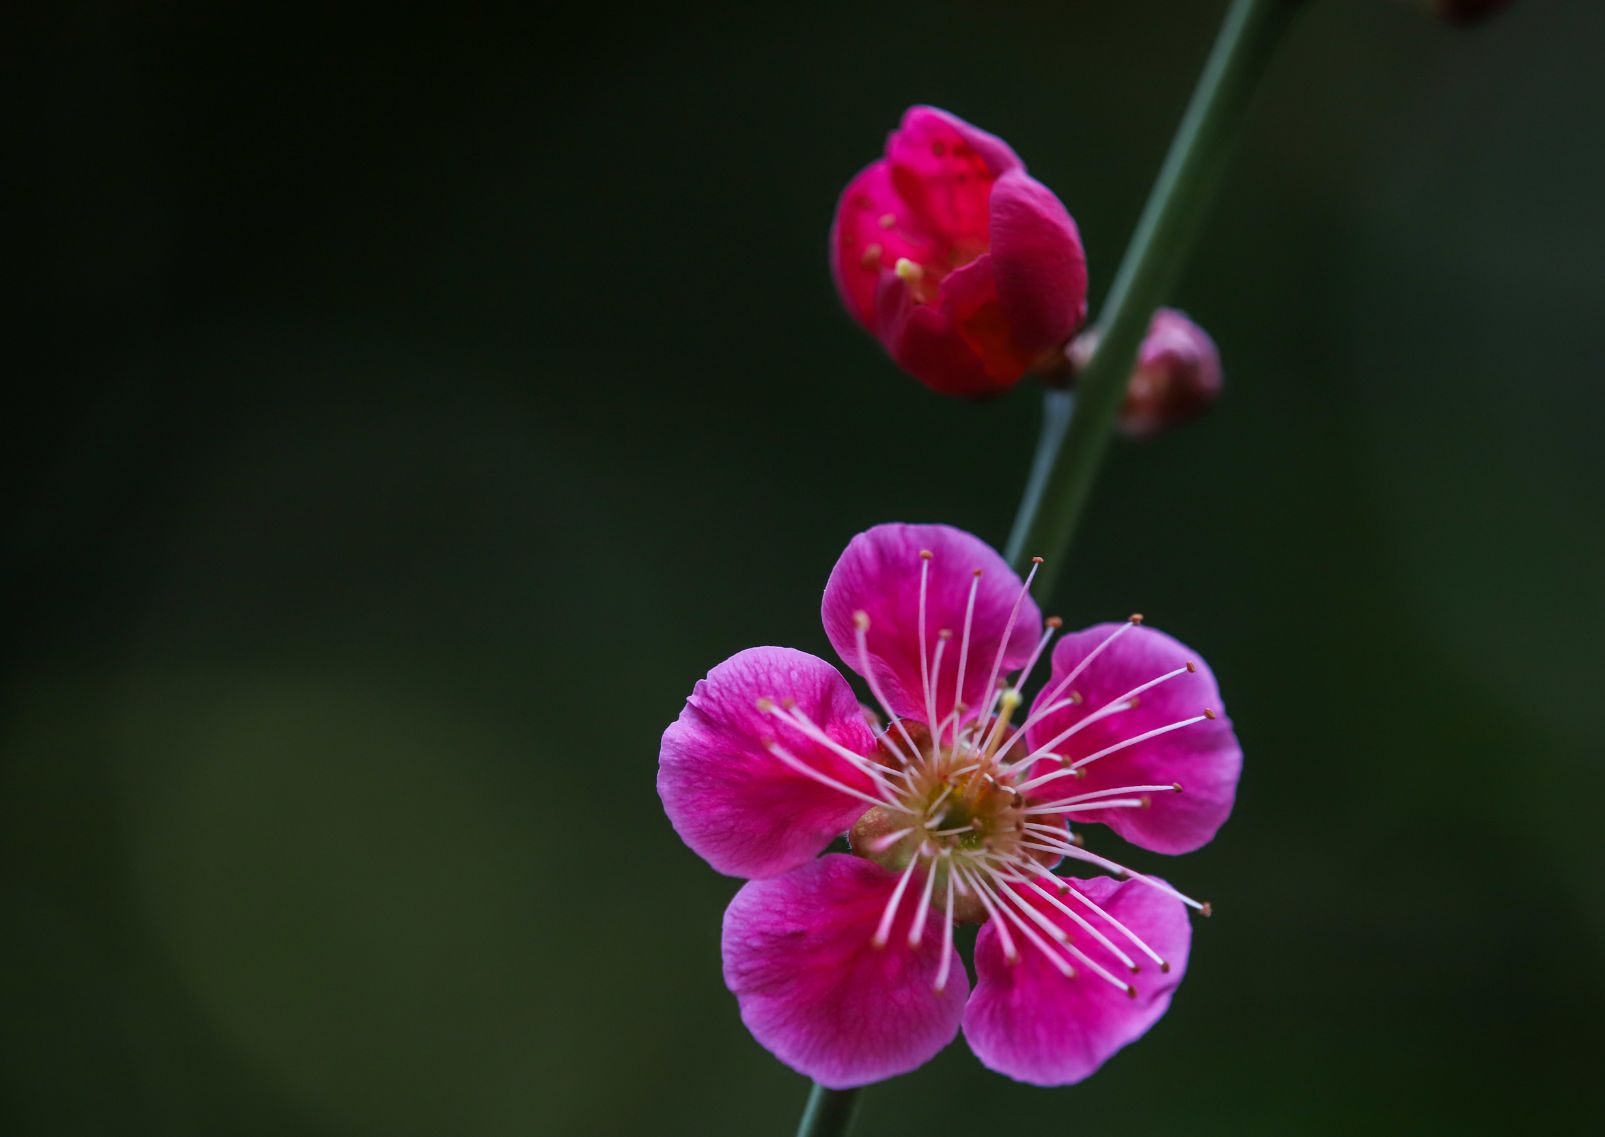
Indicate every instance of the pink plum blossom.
{"type": "Point", "coordinates": [958, 802]}
{"type": "Point", "coordinates": [968, 270]}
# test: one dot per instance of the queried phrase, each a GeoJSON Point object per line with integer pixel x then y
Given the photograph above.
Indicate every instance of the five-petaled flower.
{"type": "Point", "coordinates": [965, 267]}
{"type": "Point", "coordinates": [958, 809]}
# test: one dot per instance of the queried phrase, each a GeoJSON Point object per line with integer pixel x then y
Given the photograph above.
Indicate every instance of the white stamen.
{"type": "Point", "coordinates": [1113, 706]}
{"type": "Point", "coordinates": [1010, 952]}
{"type": "Point", "coordinates": [887, 840]}
{"type": "Point", "coordinates": [884, 932]}
{"type": "Point", "coordinates": [925, 669]}
{"type": "Point", "coordinates": [1137, 941]}
{"type": "Point", "coordinates": [861, 642]}
{"type": "Point", "coordinates": [1061, 937]}
{"type": "Point", "coordinates": [1098, 795]}
{"type": "Point", "coordinates": [802, 767]}
{"type": "Point", "coordinates": [811, 730]}
{"type": "Point", "coordinates": [1047, 700]}
{"type": "Point", "coordinates": [1079, 854]}
{"type": "Point", "coordinates": [1081, 921]}
{"type": "Point", "coordinates": [938, 728]}
{"type": "Point", "coordinates": [947, 934]}
{"type": "Point", "coordinates": [1058, 961]}
{"type": "Point", "coordinates": [964, 652]}
{"type": "Point", "coordinates": [922, 914]}
{"type": "Point", "coordinates": [1008, 633]}
{"type": "Point", "coordinates": [1073, 770]}
{"type": "Point", "coordinates": [1048, 629]}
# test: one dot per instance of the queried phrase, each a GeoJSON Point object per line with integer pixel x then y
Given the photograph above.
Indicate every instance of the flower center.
{"type": "Point", "coordinates": [955, 807]}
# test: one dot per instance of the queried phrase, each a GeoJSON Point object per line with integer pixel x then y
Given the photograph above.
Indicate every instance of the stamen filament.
{"type": "Point", "coordinates": [925, 669]}
{"type": "Point", "coordinates": [1137, 941]}
{"type": "Point", "coordinates": [922, 914]}
{"type": "Point", "coordinates": [1113, 706]}
{"type": "Point", "coordinates": [1078, 854]}
{"type": "Point", "coordinates": [947, 935]}
{"type": "Point", "coordinates": [1096, 795]}
{"type": "Point", "coordinates": [887, 840]}
{"type": "Point", "coordinates": [883, 933]}
{"type": "Point", "coordinates": [861, 643]}
{"type": "Point", "coordinates": [1010, 952]}
{"type": "Point", "coordinates": [1008, 629]}
{"type": "Point", "coordinates": [1074, 769]}
{"type": "Point", "coordinates": [1075, 673]}
{"type": "Point", "coordinates": [802, 767]}
{"type": "Point", "coordinates": [811, 730]}
{"type": "Point", "coordinates": [1080, 920]}
{"type": "Point", "coordinates": [1097, 968]}
{"type": "Point", "coordinates": [964, 650]}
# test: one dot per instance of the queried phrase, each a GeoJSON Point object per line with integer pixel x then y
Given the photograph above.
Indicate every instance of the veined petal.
{"type": "Point", "coordinates": [1203, 757]}
{"type": "Point", "coordinates": [879, 575]}
{"type": "Point", "coordinates": [1029, 1021]}
{"type": "Point", "coordinates": [745, 809]}
{"type": "Point", "coordinates": [815, 991]}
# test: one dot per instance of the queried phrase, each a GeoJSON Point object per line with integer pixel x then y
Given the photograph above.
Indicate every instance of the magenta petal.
{"type": "Point", "coordinates": [929, 342]}
{"type": "Point", "coordinates": [1203, 758]}
{"type": "Point", "coordinates": [1029, 1021]}
{"type": "Point", "coordinates": [943, 169]}
{"type": "Point", "coordinates": [1038, 263]}
{"type": "Point", "coordinates": [863, 251]}
{"type": "Point", "coordinates": [744, 810]}
{"type": "Point", "coordinates": [879, 575]}
{"type": "Point", "coordinates": [815, 991]}
{"type": "Point", "coordinates": [929, 141]}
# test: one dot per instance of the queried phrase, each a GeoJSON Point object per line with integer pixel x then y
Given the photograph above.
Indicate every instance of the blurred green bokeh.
{"type": "Point", "coordinates": [417, 406]}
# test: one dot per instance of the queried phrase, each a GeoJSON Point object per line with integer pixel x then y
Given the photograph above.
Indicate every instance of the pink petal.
{"type": "Point", "coordinates": [958, 346]}
{"type": "Point", "coordinates": [1029, 1021]}
{"type": "Point", "coordinates": [1203, 758]}
{"type": "Point", "coordinates": [863, 251]}
{"type": "Point", "coordinates": [744, 810]}
{"type": "Point", "coordinates": [943, 168]}
{"type": "Point", "coordinates": [879, 574]}
{"type": "Point", "coordinates": [1039, 265]}
{"type": "Point", "coordinates": [814, 990]}
{"type": "Point", "coordinates": [924, 127]}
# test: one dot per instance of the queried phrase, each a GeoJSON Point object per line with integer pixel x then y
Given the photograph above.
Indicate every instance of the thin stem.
{"type": "Point", "coordinates": [1071, 452]}
{"type": "Point", "coordinates": [1058, 407]}
{"type": "Point", "coordinates": [829, 1113]}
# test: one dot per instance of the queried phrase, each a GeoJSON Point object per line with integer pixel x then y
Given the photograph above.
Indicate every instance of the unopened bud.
{"type": "Point", "coordinates": [967, 269]}
{"type": "Point", "coordinates": [1176, 379]}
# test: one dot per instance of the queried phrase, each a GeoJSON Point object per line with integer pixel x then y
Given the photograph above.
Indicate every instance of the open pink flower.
{"type": "Point", "coordinates": [967, 269]}
{"type": "Point", "coordinates": [957, 811]}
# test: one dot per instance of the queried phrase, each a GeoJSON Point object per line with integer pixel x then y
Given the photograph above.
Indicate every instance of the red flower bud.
{"type": "Point", "coordinates": [968, 270]}
{"type": "Point", "coordinates": [1176, 379]}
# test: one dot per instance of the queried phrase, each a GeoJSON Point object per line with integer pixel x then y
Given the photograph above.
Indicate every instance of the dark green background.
{"type": "Point", "coordinates": [413, 408]}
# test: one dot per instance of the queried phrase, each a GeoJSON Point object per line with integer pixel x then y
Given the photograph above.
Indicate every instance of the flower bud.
{"type": "Point", "coordinates": [1176, 379]}
{"type": "Point", "coordinates": [969, 271]}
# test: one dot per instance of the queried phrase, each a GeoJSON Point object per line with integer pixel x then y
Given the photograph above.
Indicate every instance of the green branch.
{"type": "Point", "coordinates": [829, 1113]}
{"type": "Point", "coordinates": [1072, 446]}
